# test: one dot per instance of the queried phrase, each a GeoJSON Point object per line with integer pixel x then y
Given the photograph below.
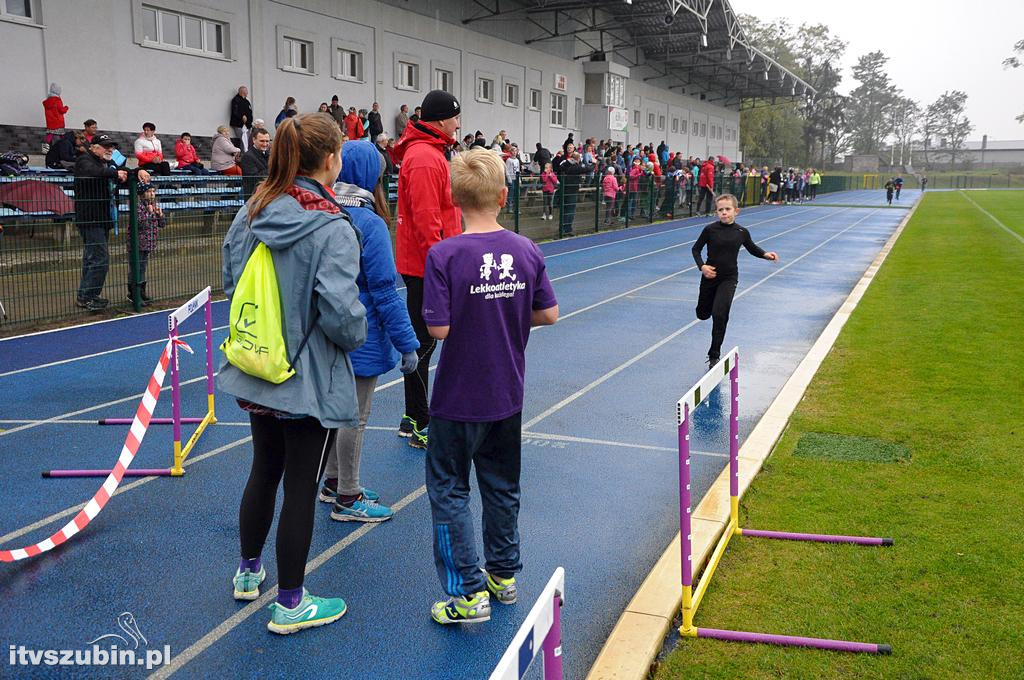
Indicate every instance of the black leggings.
{"type": "Point", "coordinates": [296, 450]}
{"type": "Point", "coordinates": [416, 402]}
{"type": "Point", "coordinates": [715, 301]}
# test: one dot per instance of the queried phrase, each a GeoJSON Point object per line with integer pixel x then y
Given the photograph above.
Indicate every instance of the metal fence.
{"type": "Point", "coordinates": [54, 233]}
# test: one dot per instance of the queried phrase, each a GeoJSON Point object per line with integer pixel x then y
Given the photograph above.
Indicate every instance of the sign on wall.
{"type": "Point", "coordinates": [560, 82]}
{"type": "Point", "coordinates": [618, 118]}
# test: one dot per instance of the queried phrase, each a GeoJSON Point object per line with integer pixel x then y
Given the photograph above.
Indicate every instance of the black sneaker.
{"type": "Point", "coordinates": [712, 361]}
{"type": "Point", "coordinates": [93, 305]}
{"type": "Point", "coordinates": [406, 427]}
{"type": "Point", "coordinates": [329, 494]}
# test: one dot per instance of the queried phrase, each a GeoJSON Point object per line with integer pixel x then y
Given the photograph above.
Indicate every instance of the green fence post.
{"type": "Point", "coordinates": [133, 239]}
{"type": "Point", "coordinates": [561, 206]}
{"type": "Point", "coordinates": [652, 196]}
{"type": "Point", "coordinates": [519, 205]}
{"type": "Point", "coordinates": [598, 178]}
{"type": "Point", "coordinates": [626, 207]}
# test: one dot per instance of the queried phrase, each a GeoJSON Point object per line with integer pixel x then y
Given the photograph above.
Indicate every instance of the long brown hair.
{"type": "Point", "coordinates": [301, 145]}
{"type": "Point", "coordinates": [380, 198]}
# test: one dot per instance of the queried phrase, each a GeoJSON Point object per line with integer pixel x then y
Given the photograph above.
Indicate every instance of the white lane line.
{"type": "Point", "coordinates": [605, 442]}
{"type": "Point", "coordinates": [664, 341]}
{"type": "Point", "coordinates": [229, 624]}
{"type": "Point", "coordinates": [99, 354]}
{"type": "Point", "coordinates": [992, 217]}
{"type": "Point", "coordinates": [122, 489]}
{"type": "Point", "coordinates": [665, 299]}
{"type": "Point", "coordinates": [650, 252]}
{"type": "Point", "coordinates": [398, 381]}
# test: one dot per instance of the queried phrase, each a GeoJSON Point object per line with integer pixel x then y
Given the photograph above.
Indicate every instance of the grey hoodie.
{"type": "Point", "coordinates": [316, 257]}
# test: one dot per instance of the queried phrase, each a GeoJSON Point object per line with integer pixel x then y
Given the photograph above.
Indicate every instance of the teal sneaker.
{"type": "Point", "coordinates": [369, 495]}
{"type": "Point", "coordinates": [503, 589]}
{"type": "Point", "coordinates": [362, 510]}
{"type": "Point", "coordinates": [247, 584]}
{"type": "Point", "coordinates": [309, 613]}
{"type": "Point", "coordinates": [418, 440]}
{"type": "Point", "coordinates": [475, 609]}
{"type": "Point", "coordinates": [329, 493]}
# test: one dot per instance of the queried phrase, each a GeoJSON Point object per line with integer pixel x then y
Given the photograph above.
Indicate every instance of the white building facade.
{"type": "Point", "coordinates": [177, 63]}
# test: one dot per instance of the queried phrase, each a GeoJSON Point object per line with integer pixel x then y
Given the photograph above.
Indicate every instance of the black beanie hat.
{"type": "Point", "coordinates": [439, 105]}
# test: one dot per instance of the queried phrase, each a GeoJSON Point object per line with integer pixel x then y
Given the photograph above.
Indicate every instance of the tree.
{"type": "Point", "coordinates": [817, 53]}
{"type": "Point", "coordinates": [836, 135]}
{"type": "Point", "coordinates": [1013, 61]}
{"type": "Point", "coordinates": [870, 102]}
{"type": "Point", "coordinates": [946, 117]}
{"type": "Point", "coordinates": [904, 121]}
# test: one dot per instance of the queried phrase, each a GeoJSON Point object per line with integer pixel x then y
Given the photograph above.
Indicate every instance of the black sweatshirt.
{"type": "Point", "coordinates": [723, 242]}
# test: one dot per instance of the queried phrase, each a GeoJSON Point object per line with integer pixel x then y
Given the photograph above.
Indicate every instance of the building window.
{"type": "Point", "coordinates": [703, 129]}
{"type": "Point", "coordinates": [578, 114]}
{"type": "Point", "coordinates": [695, 129]}
{"type": "Point", "coordinates": [650, 121]}
{"type": "Point", "coordinates": [636, 118]}
{"type": "Point", "coordinates": [557, 109]}
{"type": "Point", "coordinates": [535, 100]}
{"type": "Point", "coordinates": [408, 75]}
{"type": "Point", "coordinates": [485, 90]}
{"type": "Point", "coordinates": [511, 95]}
{"type": "Point", "coordinates": [349, 65]}
{"type": "Point", "coordinates": [180, 32]}
{"type": "Point", "coordinates": [298, 55]}
{"type": "Point", "coordinates": [675, 125]}
{"type": "Point", "coordinates": [443, 80]}
{"type": "Point", "coordinates": [19, 9]}
{"type": "Point", "coordinates": [615, 91]}
{"type": "Point", "coordinates": [683, 126]}
{"type": "Point", "coordinates": [661, 123]}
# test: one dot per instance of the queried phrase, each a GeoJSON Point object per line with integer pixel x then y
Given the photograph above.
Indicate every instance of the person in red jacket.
{"type": "Point", "coordinates": [54, 110]}
{"type": "Point", "coordinates": [426, 215]}
{"type": "Point", "coordinates": [187, 157]}
{"type": "Point", "coordinates": [353, 125]}
{"type": "Point", "coordinates": [706, 182]}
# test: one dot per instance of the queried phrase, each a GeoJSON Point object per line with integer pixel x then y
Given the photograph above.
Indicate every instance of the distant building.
{"type": "Point", "coordinates": [984, 153]}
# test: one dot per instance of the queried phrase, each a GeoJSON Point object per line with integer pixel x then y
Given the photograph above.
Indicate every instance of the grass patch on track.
{"type": "Point", "coordinates": [931, 359]}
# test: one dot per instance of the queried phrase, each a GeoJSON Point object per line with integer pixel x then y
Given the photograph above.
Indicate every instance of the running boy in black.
{"type": "Point", "coordinates": [720, 273]}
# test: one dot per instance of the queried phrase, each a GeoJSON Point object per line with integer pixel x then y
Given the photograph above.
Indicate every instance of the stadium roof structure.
{"type": "Point", "coordinates": [698, 46]}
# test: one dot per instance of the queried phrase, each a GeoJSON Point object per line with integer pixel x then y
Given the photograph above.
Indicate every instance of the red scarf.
{"type": "Point", "coordinates": [311, 200]}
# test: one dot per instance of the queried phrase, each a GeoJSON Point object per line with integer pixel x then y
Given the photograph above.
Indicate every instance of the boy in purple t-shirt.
{"type": "Point", "coordinates": [482, 292]}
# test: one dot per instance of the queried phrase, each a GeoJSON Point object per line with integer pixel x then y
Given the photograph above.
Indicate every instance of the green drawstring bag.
{"type": "Point", "coordinates": [256, 344]}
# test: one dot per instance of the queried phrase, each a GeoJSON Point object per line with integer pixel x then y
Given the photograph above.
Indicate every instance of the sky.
{"type": "Point", "coordinates": [932, 47]}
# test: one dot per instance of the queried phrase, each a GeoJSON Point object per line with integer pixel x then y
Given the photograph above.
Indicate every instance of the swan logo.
{"type": "Point", "coordinates": [121, 648]}
{"type": "Point", "coordinates": [132, 635]}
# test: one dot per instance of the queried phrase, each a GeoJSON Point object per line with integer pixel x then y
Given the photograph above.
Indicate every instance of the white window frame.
{"type": "Point", "coordinates": [439, 77]}
{"type": "Point", "coordinates": [33, 13]}
{"type": "Point", "coordinates": [557, 117]}
{"type": "Point", "coordinates": [650, 120]}
{"type": "Point", "coordinates": [294, 52]}
{"type": "Point", "coordinates": [675, 125]}
{"type": "Point", "coordinates": [615, 91]}
{"type": "Point", "coordinates": [578, 113]}
{"type": "Point", "coordinates": [536, 99]}
{"type": "Point", "coordinates": [174, 9]}
{"type": "Point", "coordinates": [661, 123]}
{"type": "Point", "coordinates": [696, 129]}
{"type": "Point", "coordinates": [342, 60]}
{"type": "Point", "coordinates": [510, 88]}
{"type": "Point", "coordinates": [703, 129]}
{"type": "Point", "coordinates": [636, 118]}
{"type": "Point", "coordinates": [407, 75]}
{"type": "Point", "coordinates": [484, 89]}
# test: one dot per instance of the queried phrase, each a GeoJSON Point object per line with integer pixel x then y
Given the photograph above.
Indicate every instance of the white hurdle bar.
{"type": "Point", "coordinates": [543, 624]}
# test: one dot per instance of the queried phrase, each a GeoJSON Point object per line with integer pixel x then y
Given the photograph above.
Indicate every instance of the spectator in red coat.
{"type": "Point", "coordinates": [187, 157]}
{"type": "Point", "coordinates": [149, 151]}
{"type": "Point", "coordinates": [706, 182]}
{"type": "Point", "coordinates": [353, 125]}
{"type": "Point", "coordinates": [54, 110]}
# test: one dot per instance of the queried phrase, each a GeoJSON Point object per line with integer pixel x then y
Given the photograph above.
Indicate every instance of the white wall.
{"type": "Point", "coordinates": [90, 48]}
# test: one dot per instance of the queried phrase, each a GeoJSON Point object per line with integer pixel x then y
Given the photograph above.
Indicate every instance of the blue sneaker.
{"type": "Point", "coordinates": [309, 613]}
{"type": "Point", "coordinates": [362, 510]}
{"type": "Point", "coordinates": [247, 583]}
{"type": "Point", "coordinates": [329, 493]}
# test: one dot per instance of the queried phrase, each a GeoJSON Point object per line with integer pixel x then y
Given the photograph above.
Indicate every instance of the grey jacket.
{"type": "Point", "coordinates": [316, 257]}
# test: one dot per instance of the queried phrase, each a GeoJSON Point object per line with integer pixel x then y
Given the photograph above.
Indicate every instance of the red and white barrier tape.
{"type": "Point", "coordinates": [131, 446]}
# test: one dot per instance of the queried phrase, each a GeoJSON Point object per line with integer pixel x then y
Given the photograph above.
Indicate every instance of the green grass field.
{"type": "Point", "coordinates": [932, 360]}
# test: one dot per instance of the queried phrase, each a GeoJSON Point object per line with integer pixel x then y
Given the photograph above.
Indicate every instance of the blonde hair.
{"type": "Point", "coordinates": [222, 129]}
{"type": "Point", "coordinates": [301, 145]}
{"type": "Point", "coordinates": [728, 197]}
{"type": "Point", "coordinates": [478, 176]}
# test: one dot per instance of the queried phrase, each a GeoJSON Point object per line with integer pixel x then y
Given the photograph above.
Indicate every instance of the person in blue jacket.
{"type": "Point", "coordinates": [391, 339]}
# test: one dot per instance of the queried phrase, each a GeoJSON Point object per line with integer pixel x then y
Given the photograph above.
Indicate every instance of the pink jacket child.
{"type": "Point", "coordinates": [548, 181]}
{"type": "Point", "coordinates": [610, 185]}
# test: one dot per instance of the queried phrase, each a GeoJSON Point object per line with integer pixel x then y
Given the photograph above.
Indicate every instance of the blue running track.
{"type": "Point", "coordinates": [599, 465]}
